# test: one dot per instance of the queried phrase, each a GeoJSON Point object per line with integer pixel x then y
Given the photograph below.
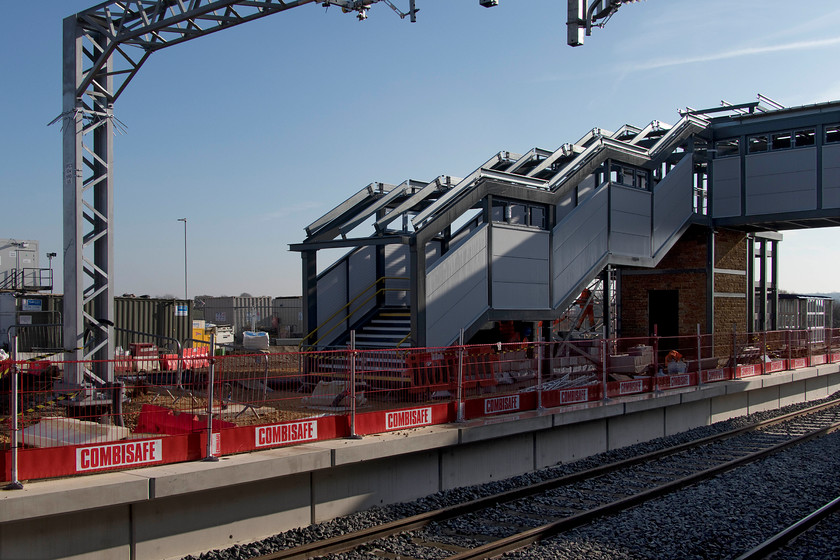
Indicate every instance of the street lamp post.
{"type": "Point", "coordinates": [186, 296]}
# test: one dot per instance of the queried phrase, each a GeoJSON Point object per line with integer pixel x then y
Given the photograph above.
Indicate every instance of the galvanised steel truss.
{"type": "Point", "coordinates": [104, 48]}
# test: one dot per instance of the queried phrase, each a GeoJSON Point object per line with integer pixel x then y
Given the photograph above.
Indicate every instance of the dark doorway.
{"type": "Point", "coordinates": [664, 312]}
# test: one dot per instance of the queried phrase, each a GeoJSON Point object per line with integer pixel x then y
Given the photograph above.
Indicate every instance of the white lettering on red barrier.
{"type": "Point", "coordinates": [798, 363]}
{"type": "Point", "coordinates": [817, 360]}
{"type": "Point", "coordinates": [777, 365]}
{"type": "Point", "coordinates": [501, 404]}
{"type": "Point", "coordinates": [569, 396]}
{"type": "Point", "coordinates": [410, 418]}
{"type": "Point", "coordinates": [680, 381]}
{"type": "Point", "coordinates": [627, 387]}
{"type": "Point", "coordinates": [748, 371]}
{"type": "Point", "coordinates": [715, 375]}
{"type": "Point", "coordinates": [281, 434]}
{"type": "Point", "coordinates": [97, 457]}
{"type": "Point", "coordinates": [835, 357]}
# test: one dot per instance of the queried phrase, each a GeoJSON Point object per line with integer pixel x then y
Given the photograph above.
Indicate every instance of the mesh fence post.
{"type": "Point", "coordinates": [459, 416]}
{"type": "Point", "coordinates": [603, 348]}
{"type": "Point", "coordinates": [539, 371]}
{"type": "Point", "coordinates": [764, 352]}
{"type": "Point", "coordinates": [699, 359]}
{"type": "Point", "coordinates": [353, 434]}
{"type": "Point", "coordinates": [15, 483]}
{"type": "Point", "coordinates": [209, 455]}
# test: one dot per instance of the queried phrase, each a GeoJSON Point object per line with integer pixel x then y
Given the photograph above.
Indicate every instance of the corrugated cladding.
{"type": "Point", "coordinates": [289, 313]}
{"type": "Point", "coordinates": [238, 312]}
{"type": "Point", "coordinates": [156, 318]}
{"type": "Point", "coordinates": [161, 319]}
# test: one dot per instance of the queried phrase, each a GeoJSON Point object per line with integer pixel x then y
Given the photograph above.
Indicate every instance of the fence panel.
{"type": "Point", "coordinates": [162, 407]}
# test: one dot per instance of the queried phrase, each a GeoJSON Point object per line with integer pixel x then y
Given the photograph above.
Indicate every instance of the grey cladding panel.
{"type": "Point", "coordinates": [579, 243]}
{"type": "Point", "coordinates": [396, 265]}
{"type": "Point", "coordinates": [520, 269]}
{"type": "Point", "coordinates": [831, 176]}
{"type": "Point", "coordinates": [514, 295]}
{"type": "Point", "coordinates": [672, 203]}
{"type": "Point", "coordinates": [781, 181]}
{"type": "Point", "coordinates": [362, 277]}
{"type": "Point", "coordinates": [332, 295]}
{"type": "Point", "coordinates": [726, 187]}
{"type": "Point", "coordinates": [520, 243]}
{"type": "Point", "coordinates": [456, 289]}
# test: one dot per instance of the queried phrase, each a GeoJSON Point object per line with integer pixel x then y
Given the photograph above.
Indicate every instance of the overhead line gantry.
{"type": "Point", "coordinates": [103, 49]}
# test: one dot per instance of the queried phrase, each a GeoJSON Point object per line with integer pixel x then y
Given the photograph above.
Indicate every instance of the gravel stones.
{"type": "Point", "coordinates": [719, 518]}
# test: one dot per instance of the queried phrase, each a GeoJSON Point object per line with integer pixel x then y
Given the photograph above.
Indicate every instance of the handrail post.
{"type": "Point", "coordinates": [15, 483]}
{"type": "Point", "coordinates": [353, 434]}
{"type": "Point", "coordinates": [209, 456]}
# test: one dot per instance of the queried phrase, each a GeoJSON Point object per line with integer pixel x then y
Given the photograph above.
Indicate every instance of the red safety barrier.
{"type": "Point", "coordinates": [630, 387]}
{"type": "Point", "coordinates": [268, 400]}
{"type": "Point", "coordinates": [429, 374]}
{"type": "Point", "coordinates": [675, 381]}
{"type": "Point", "coordinates": [573, 395]}
{"type": "Point", "coordinates": [479, 367]}
{"type": "Point", "coordinates": [718, 374]}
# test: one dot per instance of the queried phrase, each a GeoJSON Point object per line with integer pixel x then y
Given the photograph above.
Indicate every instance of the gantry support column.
{"type": "Point", "coordinates": [88, 213]}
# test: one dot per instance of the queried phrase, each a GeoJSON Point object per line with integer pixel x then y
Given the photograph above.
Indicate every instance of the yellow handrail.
{"type": "Point", "coordinates": [349, 303]}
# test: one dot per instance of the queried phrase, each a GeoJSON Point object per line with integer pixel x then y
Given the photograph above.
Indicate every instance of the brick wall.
{"type": "Point", "coordinates": [684, 269]}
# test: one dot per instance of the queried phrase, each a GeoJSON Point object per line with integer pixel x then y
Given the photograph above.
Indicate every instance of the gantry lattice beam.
{"type": "Point", "coordinates": [104, 47]}
{"type": "Point", "coordinates": [583, 15]}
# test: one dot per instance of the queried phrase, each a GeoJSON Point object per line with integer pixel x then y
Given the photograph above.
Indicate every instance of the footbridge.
{"type": "Point", "coordinates": [522, 235]}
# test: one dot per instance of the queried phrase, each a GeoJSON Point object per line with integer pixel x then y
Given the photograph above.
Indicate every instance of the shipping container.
{"type": "Point", "coordinates": [158, 319]}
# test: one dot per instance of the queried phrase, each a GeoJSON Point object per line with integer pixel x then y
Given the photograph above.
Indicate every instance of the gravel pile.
{"type": "Point", "coordinates": [700, 531]}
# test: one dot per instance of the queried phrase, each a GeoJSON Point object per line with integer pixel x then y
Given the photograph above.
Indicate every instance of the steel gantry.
{"type": "Point", "coordinates": [104, 48]}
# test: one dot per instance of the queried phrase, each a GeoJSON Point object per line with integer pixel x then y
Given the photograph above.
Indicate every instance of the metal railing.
{"type": "Point", "coordinates": [244, 402]}
{"type": "Point", "coordinates": [346, 307]}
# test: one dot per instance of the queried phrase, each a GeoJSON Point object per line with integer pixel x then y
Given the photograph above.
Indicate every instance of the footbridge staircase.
{"type": "Point", "coordinates": [519, 237]}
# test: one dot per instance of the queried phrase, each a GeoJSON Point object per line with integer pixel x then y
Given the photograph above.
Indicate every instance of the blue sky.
{"type": "Point", "coordinates": [254, 132]}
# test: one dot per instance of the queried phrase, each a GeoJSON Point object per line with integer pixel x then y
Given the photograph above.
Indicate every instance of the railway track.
{"type": "Point", "coordinates": [490, 526]}
{"type": "Point", "coordinates": [785, 537]}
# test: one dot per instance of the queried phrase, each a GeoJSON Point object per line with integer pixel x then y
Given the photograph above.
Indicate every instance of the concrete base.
{"type": "Point", "coordinates": [175, 510]}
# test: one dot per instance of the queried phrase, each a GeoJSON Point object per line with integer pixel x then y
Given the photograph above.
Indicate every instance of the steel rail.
{"type": "Point", "coordinates": [525, 538]}
{"type": "Point", "coordinates": [349, 541]}
{"type": "Point", "coordinates": [782, 538]}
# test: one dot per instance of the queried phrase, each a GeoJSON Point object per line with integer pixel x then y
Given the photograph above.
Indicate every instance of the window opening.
{"type": "Point", "coordinates": [517, 214]}
{"type": "Point", "coordinates": [757, 144]}
{"type": "Point", "coordinates": [805, 137]}
{"type": "Point", "coordinates": [538, 217]}
{"type": "Point", "coordinates": [781, 141]}
{"type": "Point", "coordinates": [832, 133]}
{"type": "Point", "coordinates": [727, 147]}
